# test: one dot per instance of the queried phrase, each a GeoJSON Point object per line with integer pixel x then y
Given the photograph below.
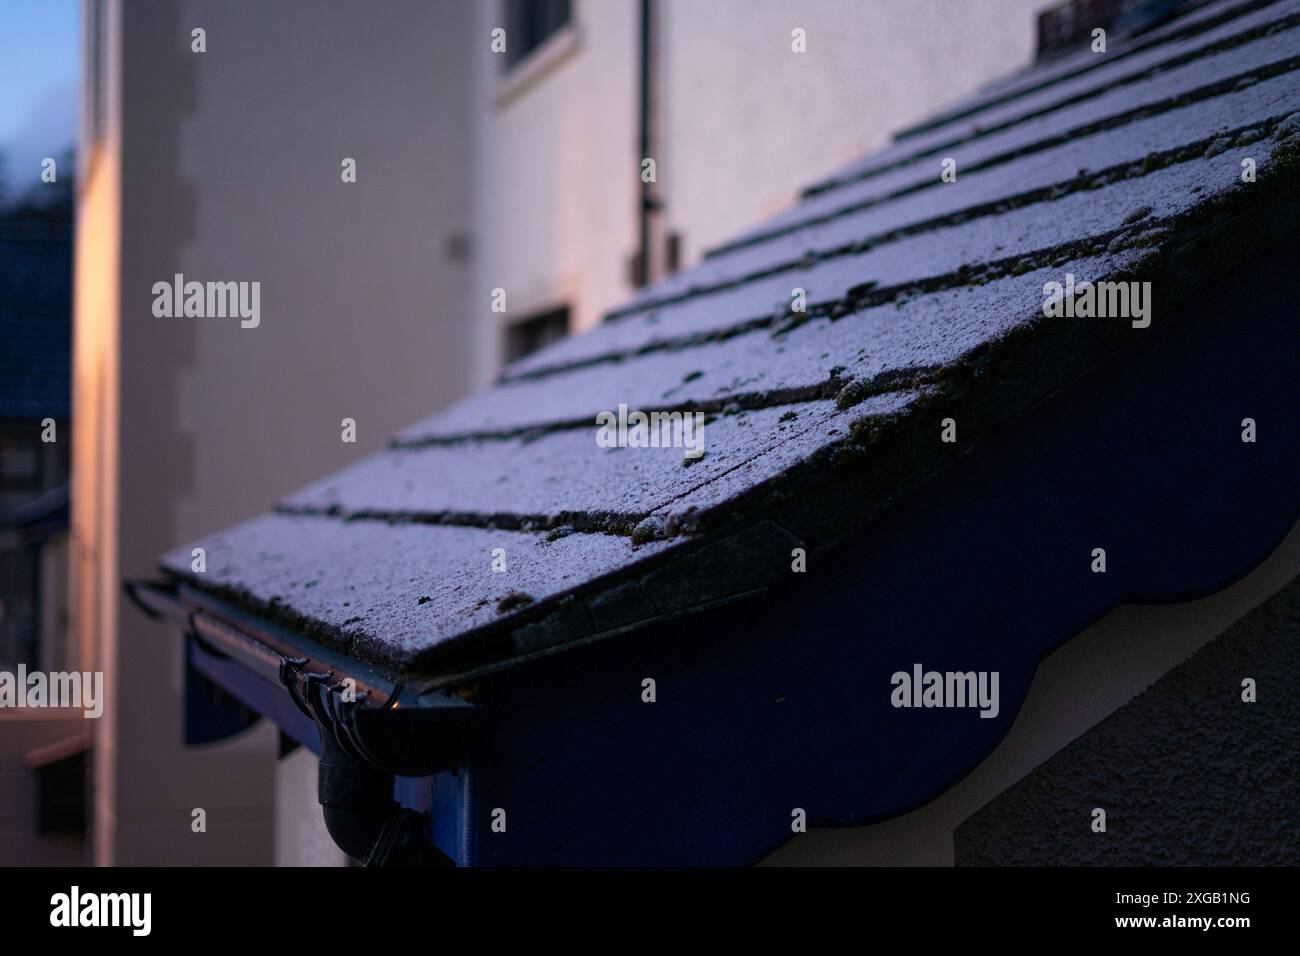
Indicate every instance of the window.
{"type": "Point", "coordinates": [529, 23]}
{"type": "Point", "coordinates": [536, 332]}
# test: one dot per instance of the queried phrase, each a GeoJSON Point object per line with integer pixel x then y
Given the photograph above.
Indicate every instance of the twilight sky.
{"type": "Point", "coordinates": [40, 50]}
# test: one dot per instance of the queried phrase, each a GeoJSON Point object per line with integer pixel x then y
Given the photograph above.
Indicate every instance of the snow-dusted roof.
{"type": "Point", "coordinates": [924, 301]}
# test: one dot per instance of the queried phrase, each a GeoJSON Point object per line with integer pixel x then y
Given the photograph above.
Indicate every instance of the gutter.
{"type": "Point", "coordinates": [372, 728]}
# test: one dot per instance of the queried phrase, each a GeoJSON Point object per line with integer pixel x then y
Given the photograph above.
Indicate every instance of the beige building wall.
{"type": "Point", "coordinates": [226, 166]}
{"type": "Point", "coordinates": [555, 171]}
{"type": "Point", "coordinates": [744, 123]}
{"type": "Point", "coordinates": [748, 123]}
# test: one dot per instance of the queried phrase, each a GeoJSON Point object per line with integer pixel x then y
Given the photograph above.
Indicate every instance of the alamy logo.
{"type": "Point", "coordinates": [103, 909]}
{"type": "Point", "coordinates": [652, 430]}
{"type": "Point", "coordinates": [71, 689]}
{"type": "Point", "coordinates": [1101, 300]}
{"type": "Point", "coordinates": [209, 300]}
{"type": "Point", "coordinates": [922, 688]}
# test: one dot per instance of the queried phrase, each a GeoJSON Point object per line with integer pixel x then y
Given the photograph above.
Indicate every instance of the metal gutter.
{"type": "Point", "coordinates": [270, 655]}
{"type": "Point", "coordinates": [371, 728]}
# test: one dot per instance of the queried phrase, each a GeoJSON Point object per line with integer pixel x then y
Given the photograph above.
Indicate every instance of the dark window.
{"type": "Point", "coordinates": [536, 332]}
{"type": "Point", "coordinates": [529, 23]}
{"type": "Point", "coordinates": [673, 255]}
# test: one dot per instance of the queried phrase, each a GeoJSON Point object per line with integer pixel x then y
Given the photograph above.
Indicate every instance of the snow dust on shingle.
{"type": "Point", "coordinates": [387, 592]}
{"type": "Point", "coordinates": [569, 478]}
{"type": "Point", "coordinates": [818, 431]}
{"type": "Point", "coordinates": [915, 334]}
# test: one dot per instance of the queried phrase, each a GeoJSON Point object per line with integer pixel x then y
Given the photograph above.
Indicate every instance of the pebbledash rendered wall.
{"type": "Point", "coordinates": [1202, 769]}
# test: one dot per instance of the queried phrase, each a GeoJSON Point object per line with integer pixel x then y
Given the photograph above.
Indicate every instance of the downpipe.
{"type": "Point", "coordinates": [362, 817]}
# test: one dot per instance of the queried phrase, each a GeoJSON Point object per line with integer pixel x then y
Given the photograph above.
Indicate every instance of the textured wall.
{"type": "Point", "coordinates": [1187, 773]}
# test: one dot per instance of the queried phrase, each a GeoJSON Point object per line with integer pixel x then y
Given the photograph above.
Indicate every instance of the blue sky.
{"type": "Point", "coordinates": [40, 52]}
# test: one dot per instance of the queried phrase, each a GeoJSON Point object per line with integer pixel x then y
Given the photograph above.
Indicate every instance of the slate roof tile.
{"type": "Point", "coordinates": [890, 339]}
{"type": "Point", "coordinates": [362, 586]}
{"type": "Point", "coordinates": [924, 298]}
{"type": "Point", "coordinates": [480, 480]}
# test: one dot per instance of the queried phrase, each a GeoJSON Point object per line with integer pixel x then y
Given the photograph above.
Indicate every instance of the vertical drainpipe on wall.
{"type": "Point", "coordinates": [649, 206]}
